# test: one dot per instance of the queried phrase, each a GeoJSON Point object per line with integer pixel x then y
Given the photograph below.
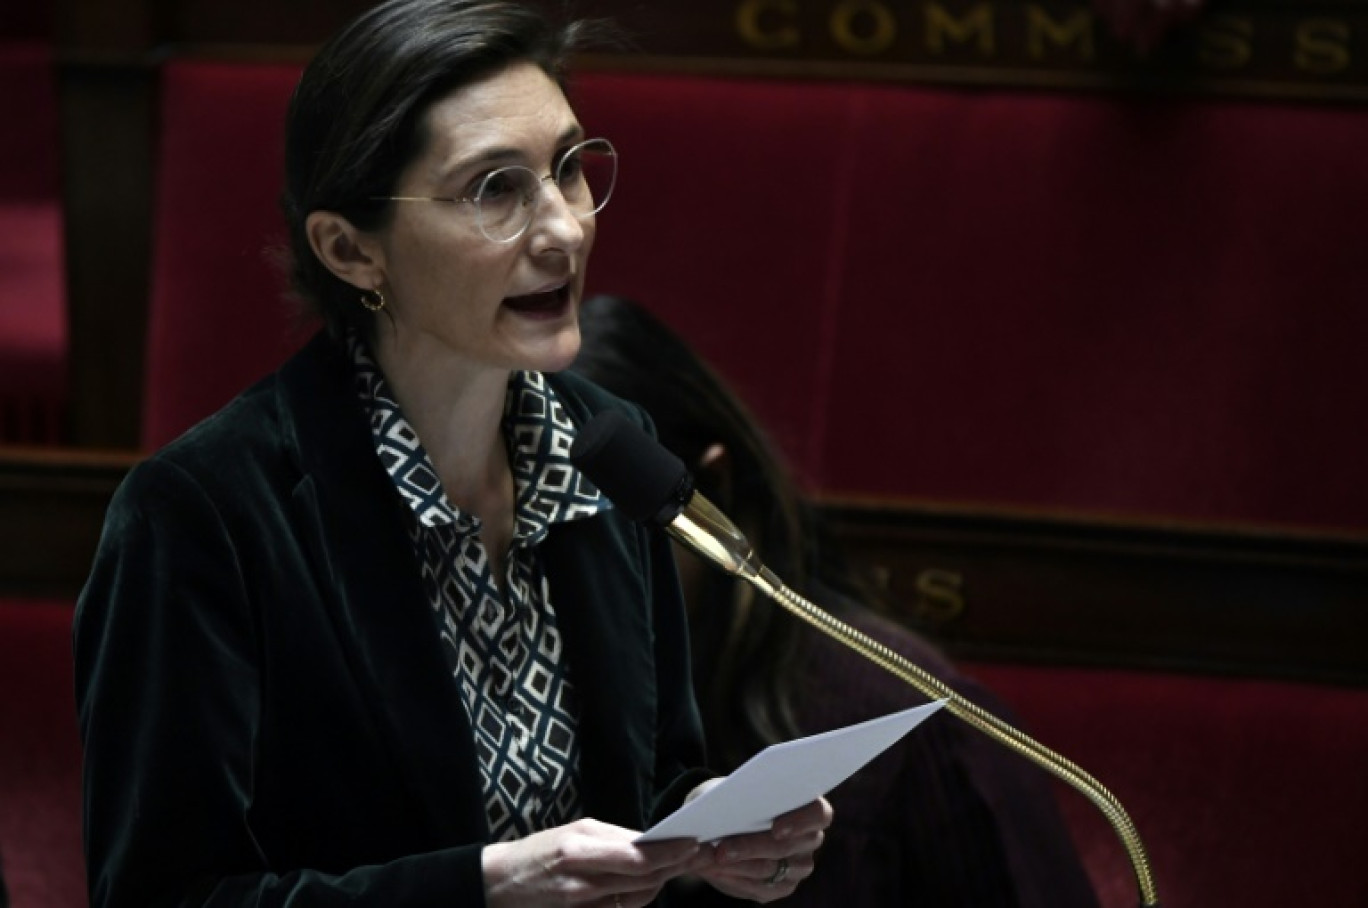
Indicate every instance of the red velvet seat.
{"type": "Point", "coordinates": [32, 283]}
{"type": "Point", "coordinates": [1086, 302]}
{"type": "Point", "coordinates": [1106, 304]}
{"type": "Point", "coordinates": [727, 223]}
{"type": "Point", "coordinates": [218, 318]}
{"type": "Point", "coordinates": [1247, 793]}
{"type": "Point", "coordinates": [40, 761]}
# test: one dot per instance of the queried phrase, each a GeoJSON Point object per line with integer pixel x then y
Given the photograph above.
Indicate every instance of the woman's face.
{"type": "Point", "coordinates": [452, 292]}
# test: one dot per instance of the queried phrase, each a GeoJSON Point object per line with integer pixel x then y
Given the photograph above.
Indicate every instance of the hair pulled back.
{"type": "Point", "coordinates": [356, 118]}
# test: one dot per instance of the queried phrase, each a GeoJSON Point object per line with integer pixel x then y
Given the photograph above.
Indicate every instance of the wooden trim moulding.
{"type": "Point", "coordinates": [52, 506]}
{"type": "Point", "coordinates": [986, 583]}
{"type": "Point", "coordinates": [995, 584]}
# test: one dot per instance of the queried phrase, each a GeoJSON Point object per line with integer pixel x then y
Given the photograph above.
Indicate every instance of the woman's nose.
{"type": "Point", "coordinates": [554, 222]}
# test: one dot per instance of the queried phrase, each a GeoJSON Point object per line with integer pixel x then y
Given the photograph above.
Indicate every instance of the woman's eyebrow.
{"type": "Point", "coordinates": [505, 154]}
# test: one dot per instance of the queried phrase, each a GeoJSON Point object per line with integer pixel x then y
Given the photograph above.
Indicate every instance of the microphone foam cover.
{"type": "Point", "coordinates": [644, 480]}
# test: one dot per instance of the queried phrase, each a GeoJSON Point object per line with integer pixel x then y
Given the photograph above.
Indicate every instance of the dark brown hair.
{"type": "Point", "coordinates": [356, 118]}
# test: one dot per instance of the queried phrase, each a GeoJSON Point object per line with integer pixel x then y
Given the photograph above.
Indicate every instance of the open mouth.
{"type": "Point", "coordinates": [546, 303]}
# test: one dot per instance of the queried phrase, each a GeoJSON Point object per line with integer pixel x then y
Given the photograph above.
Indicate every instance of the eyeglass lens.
{"type": "Point", "coordinates": [508, 197]}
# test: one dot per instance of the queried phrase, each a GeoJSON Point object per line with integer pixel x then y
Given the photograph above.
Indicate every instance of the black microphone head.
{"type": "Point", "coordinates": [644, 480]}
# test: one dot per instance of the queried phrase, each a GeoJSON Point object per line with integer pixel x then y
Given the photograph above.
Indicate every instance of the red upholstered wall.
{"type": "Point", "coordinates": [1081, 302]}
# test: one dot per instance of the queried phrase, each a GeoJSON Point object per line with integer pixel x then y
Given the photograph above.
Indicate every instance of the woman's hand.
{"type": "Point", "coordinates": [584, 863]}
{"type": "Point", "coordinates": [765, 866]}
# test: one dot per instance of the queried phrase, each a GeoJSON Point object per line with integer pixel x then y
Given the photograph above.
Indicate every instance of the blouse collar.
{"type": "Point", "coordinates": [548, 489]}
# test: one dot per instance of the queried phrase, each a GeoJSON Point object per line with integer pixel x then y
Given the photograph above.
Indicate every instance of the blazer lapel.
{"type": "Point", "coordinates": [351, 520]}
{"type": "Point", "coordinates": [608, 648]}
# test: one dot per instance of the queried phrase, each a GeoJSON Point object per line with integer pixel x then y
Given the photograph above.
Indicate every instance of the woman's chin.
{"type": "Point", "coordinates": [556, 353]}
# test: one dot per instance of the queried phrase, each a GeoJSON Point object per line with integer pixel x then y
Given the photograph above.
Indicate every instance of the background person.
{"type": "Point", "coordinates": [946, 817]}
{"type": "Point", "coordinates": [364, 637]}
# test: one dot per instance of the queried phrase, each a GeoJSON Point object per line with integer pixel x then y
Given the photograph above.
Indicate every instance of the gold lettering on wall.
{"type": "Point", "coordinates": [977, 22]}
{"type": "Point", "coordinates": [1064, 41]}
{"type": "Point", "coordinates": [1322, 46]}
{"type": "Point", "coordinates": [1227, 42]}
{"type": "Point", "coordinates": [1043, 32]}
{"type": "Point", "coordinates": [863, 26]}
{"type": "Point", "coordinates": [765, 25]}
{"type": "Point", "coordinates": [940, 596]}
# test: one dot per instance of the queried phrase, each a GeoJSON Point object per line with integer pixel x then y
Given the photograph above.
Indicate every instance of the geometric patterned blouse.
{"type": "Point", "coordinates": [501, 641]}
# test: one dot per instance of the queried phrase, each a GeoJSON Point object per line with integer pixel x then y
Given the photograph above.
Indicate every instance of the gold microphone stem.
{"type": "Point", "coordinates": [977, 717]}
{"type": "Point", "coordinates": [702, 527]}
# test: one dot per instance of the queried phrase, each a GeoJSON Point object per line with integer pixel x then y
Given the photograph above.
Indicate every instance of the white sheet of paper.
{"type": "Point", "coordinates": [784, 777]}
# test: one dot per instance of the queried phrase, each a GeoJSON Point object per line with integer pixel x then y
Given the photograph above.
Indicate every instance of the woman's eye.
{"type": "Point", "coordinates": [570, 167]}
{"type": "Point", "coordinates": [496, 185]}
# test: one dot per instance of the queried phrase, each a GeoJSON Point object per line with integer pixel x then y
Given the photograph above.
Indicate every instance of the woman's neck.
{"type": "Point", "coordinates": [457, 411]}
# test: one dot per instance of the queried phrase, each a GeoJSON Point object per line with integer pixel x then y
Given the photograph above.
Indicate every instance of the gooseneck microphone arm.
{"type": "Point", "coordinates": [649, 484]}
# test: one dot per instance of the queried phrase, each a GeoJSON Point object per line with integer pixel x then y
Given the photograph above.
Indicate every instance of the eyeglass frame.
{"type": "Point", "coordinates": [535, 197]}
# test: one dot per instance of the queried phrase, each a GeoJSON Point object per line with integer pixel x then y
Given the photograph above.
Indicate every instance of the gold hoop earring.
{"type": "Point", "coordinates": [373, 300]}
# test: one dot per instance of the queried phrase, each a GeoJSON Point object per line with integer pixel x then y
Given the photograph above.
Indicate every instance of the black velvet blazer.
{"type": "Point", "coordinates": [267, 715]}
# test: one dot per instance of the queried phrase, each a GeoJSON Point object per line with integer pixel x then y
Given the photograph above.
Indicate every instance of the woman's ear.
{"type": "Point", "coordinates": [352, 254]}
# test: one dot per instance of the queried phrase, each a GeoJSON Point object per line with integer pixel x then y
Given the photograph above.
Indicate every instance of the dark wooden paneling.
{"type": "Point", "coordinates": [987, 585]}
{"type": "Point", "coordinates": [279, 22]}
{"type": "Point", "coordinates": [1263, 48]}
{"type": "Point", "coordinates": [107, 166]}
{"type": "Point", "coordinates": [1240, 601]}
{"type": "Point", "coordinates": [1315, 49]}
{"type": "Point", "coordinates": [104, 27]}
{"type": "Point", "coordinates": [52, 505]}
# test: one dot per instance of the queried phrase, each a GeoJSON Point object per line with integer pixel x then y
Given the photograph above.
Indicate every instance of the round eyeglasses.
{"type": "Point", "coordinates": [506, 199]}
